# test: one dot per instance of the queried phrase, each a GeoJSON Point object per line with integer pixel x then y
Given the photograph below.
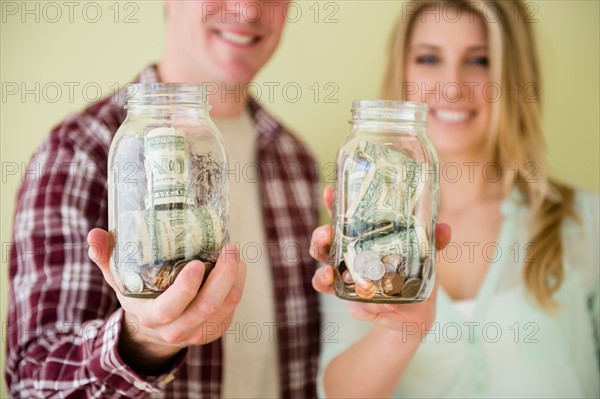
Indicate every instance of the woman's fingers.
{"type": "Point", "coordinates": [320, 243]}
{"type": "Point", "coordinates": [443, 234]}
{"type": "Point", "coordinates": [328, 198]}
{"type": "Point", "coordinates": [322, 280]}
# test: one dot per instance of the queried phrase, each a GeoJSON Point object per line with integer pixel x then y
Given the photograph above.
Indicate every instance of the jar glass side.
{"type": "Point", "coordinates": [385, 207]}
{"type": "Point", "coordinates": [168, 194]}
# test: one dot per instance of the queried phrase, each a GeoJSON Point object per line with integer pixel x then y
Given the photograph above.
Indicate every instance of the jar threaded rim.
{"type": "Point", "coordinates": [167, 94]}
{"type": "Point", "coordinates": [389, 110]}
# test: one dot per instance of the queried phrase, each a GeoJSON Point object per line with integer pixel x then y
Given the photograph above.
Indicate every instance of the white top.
{"type": "Point", "coordinates": [511, 348]}
{"type": "Point", "coordinates": [466, 308]}
{"type": "Point", "coordinates": [250, 366]}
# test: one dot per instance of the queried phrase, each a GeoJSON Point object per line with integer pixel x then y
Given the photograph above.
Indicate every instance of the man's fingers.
{"type": "Point", "coordinates": [443, 234]}
{"type": "Point", "coordinates": [322, 280]}
{"type": "Point", "coordinates": [218, 285]}
{"type": "Point", "coordinates": [237, 289]}
{"type": "Point", "coordinates": [175, 299]}
{"type": "Point", "coordinates": [328, 198]}
{"type": "Point", "coordinates": [101, 243]}
{"type": "Point", "coordinates": [100, 248]}
{"type": "Point", "coordinates": [320, 243]}
{"type": "Point", "coordinates": [194, 328]}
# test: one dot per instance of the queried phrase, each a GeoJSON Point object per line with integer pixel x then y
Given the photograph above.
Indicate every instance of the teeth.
{"type": "Point", "coordinates": [452, 116]}
{"type": "Point", "coordinates": [236, 38]}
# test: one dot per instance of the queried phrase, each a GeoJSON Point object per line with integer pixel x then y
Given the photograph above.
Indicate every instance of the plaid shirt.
{"type": "Point", "coordinates": [64, 320]}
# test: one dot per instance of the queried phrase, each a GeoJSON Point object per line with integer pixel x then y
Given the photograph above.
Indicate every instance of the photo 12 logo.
{"type": "Point", "coordinates": [453, 12]}
{"type": "Point", "coordinates": [53, 12]}
{"type": "Point", "coordinates": [253, 11]}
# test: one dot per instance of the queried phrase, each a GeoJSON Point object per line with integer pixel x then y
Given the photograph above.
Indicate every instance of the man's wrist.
{"type": "Point", "coordinates": [142, 351]}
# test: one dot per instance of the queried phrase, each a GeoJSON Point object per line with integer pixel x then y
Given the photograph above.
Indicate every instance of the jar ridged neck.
{"type": "Point", "coordinates": [388, 111]}
{"type": "Point", "coordinates": [148, 96]}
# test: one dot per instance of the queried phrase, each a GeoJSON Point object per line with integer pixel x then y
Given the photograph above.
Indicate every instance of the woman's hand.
{"type": "Point", "coordinates": [420, 316]}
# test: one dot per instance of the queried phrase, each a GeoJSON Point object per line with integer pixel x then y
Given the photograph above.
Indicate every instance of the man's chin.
{"type": "Point", "coordinates": [233, 79]}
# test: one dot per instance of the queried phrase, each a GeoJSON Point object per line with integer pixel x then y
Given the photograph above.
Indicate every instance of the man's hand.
{"type": "Point", "coordinates": [154, 330]}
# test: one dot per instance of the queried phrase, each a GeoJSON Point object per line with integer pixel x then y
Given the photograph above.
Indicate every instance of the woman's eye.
{"type": "Point", "coordinates": [427, 59]}
{"type": "Point", "coordinates": [481, 61]}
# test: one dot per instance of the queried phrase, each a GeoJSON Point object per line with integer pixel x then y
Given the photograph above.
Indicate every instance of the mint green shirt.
{"type": "Point", "coordinates": [511, 348]}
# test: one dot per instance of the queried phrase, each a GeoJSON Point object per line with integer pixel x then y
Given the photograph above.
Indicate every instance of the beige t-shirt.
{"type": "Point", "coordinates": [251, 366]}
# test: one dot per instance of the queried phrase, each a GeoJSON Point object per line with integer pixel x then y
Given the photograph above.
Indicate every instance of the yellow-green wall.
{"type": "Point", "coordinates": [343, 58]}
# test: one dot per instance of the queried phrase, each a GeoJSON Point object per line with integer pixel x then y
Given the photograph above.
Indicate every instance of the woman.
{"type": "Point", "coordinates": [518, 295]}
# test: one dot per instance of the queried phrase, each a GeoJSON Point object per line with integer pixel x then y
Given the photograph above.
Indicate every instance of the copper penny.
{"type": "Point", "coordinates": [365, 288]}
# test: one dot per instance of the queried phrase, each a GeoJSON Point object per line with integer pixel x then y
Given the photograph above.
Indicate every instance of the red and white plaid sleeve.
{"type": "Point", "coordinates": [64, 319]}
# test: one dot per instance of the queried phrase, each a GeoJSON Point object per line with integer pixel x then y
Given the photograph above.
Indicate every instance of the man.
{"type": "Point", "coordinates": [72, 334]}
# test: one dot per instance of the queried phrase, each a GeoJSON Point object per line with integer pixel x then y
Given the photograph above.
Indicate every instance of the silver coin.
{"type": "Point", "coordinates": [347, 277]}
{"type": "Point", "coordinates": [391, 262]}
{"type": "Point", "coordinates": [427, 269]}
{"type": "Point", "coordinates": [133, 282]}
{"type": "Point", "coordinates": [413, 268]}
{"type": "Point", "coordinates": [368, 265]}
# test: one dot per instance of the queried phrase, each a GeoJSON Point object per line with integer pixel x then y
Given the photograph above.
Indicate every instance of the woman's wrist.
{"type": "Point", "coordinates": [408, 333]}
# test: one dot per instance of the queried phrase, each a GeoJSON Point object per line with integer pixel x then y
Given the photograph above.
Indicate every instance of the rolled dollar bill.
{"type": "Point", "coordinates": [167, 167]}
{"type": "Point", "coordinates": [404, 243]}
{"type": "Point", "coordinates": [152, 236]}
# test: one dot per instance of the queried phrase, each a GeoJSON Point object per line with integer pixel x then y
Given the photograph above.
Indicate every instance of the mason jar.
{"type": "Point", "coordinates": [167, 188]}
{"type": "Point", "coordinates": [385, 205]}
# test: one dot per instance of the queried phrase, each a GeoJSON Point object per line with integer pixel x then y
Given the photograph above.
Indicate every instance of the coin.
{"type": "Point", "coordinates": [208, 266]}
{"type": "Point", "coordinates": [365, 288]}
{"type": "Point", "coordinates": [402, 267]}
{"type": "Point", "coordinates": [391, 283]}
{"type": "Point", "coordinates": [413, 268]}
{"type": "Point", "coordinates": [132, 282]}
{"type": "Point", "coordinates": [367, 264]}
{"type": "Point", "coordinates": [411, 288]}
{"type": "Point", "coordinates": [391, 262]}
{"type": "Point", "coordinates": [427, 268]}
{"type": "Point", "coordinates": [347, 277]}
{"type": "Point", "coordinates": [156, 278]}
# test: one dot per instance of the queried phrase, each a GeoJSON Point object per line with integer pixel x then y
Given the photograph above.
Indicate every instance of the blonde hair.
{"type": "Point", "coordinates": [516, 137]}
